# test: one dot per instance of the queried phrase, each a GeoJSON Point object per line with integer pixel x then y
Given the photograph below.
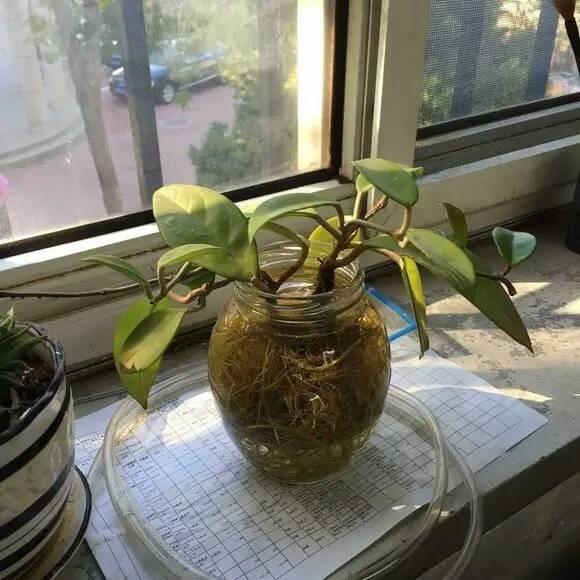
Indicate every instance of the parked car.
{"type": "Point", "coordinates": [180, 73]}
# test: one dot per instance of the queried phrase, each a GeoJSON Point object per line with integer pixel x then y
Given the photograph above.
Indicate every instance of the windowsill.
{"type": "Point", "coordinates": [549, 286]}
{"type": "Point", "coordinates": [494, 191]}
{"type": "Point", "coordinates": [28, 267]}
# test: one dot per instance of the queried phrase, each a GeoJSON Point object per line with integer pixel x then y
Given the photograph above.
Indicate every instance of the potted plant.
{"type": "Point", "coordinates": [36, 442]}
{"type": "Point", "coordinates": [299, 361]}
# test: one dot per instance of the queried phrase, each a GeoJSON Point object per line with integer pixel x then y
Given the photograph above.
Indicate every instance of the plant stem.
{"type": "Point", "coordinates": [400, 233]}
{"type": "Point", "coordinates": [164, 286]}
{"type": "Point", "coordinates": [360, 204]}
{"type": "Point", "coordinates": [340, 214]}
{"type": "Point", "coordinates": [322, 222]}
{"type": "Point", "coordinates": [350, 257]}
{"type": "Point", "coordinates": [198, 293]}
{"type": "Point", "coordinates": [295, 267]}
{"type": "Point", "coordinates": [372, 226]}
{"type": "Point", "coordinates": [500, 278]}
{"type": "Point", "coordinates": [177, 278]}
{"type": "Point", "coordinates": [84, 294]}
{"type": "Point", "coordinates": [380, 205]}
{"type": "Point", "coordinates": [264, 277]}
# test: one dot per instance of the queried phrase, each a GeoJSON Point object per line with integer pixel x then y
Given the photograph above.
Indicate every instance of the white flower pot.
{"type": "Point", "coordinates": [36, 468]}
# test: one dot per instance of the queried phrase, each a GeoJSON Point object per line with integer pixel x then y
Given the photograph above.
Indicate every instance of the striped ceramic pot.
{"type": "Point", "coordinates": [36, 468]}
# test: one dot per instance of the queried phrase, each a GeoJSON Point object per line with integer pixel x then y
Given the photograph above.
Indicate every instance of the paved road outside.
{"type": "Point", "coordinates": [62, 189]}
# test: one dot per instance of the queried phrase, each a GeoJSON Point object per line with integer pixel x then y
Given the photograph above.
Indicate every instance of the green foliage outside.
{"type": "Point", "coordinates": [503, 58]}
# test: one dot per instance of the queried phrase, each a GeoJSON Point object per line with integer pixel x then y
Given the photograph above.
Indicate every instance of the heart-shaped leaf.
{"type": "Point", "coordinates": [458, 225]}
{"type": "Point", "coordinates": [189, 214]}
{"type": "Point", "coordinates": [414, 287]}
{"type": "Point", "coordinates": [150, 338]}
{"type": "Point", "coordinates": [138, 383]}
{"type": "Point", "coordinates": [211, 258]}
{"type": "Point", "coordinates": [514, 247]}
{"type": "Point", "coordinates": [281, 205]}
{"type": "Point", "coordinates": [123, 267]}
{"type": "Point", "coordinates": [393, 179]}
{"type": "Point", "coordinates": [435, 253]}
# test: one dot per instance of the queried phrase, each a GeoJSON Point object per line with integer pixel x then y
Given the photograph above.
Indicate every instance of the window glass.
{"type": "Point", "coordinates": [241, 91]}
{"type": "Point", "coordinates": [484, 55]}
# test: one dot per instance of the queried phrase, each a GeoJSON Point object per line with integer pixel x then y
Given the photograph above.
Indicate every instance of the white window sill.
{"type": "Point", "coordinates": [496, 190]}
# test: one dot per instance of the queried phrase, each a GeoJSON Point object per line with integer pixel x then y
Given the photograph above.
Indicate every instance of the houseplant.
{"type": "Point", "coordinates": [299, 359]}
{"type": "Point", "coordinates": [36, 442]}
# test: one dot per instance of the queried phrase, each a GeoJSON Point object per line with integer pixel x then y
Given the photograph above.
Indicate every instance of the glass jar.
{"type": "Point", "coordinates": [300, 379]}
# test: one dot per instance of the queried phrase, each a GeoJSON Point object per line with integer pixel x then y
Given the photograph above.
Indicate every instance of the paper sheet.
{"type": "Point", "coordinates": [221, 514]}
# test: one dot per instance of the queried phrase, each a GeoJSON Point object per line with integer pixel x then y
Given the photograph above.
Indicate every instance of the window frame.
{"type": "Point", "coordinates": [148, 163]}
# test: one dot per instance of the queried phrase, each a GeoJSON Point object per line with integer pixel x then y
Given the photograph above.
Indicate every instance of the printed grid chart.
{"type": "Point", "coordinates": [222, 515]}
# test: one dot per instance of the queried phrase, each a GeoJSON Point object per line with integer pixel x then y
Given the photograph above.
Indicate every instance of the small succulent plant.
{"type": "Point", "coordinates": [15, 344]}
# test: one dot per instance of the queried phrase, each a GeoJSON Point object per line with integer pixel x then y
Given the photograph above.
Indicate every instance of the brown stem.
{"type": "Point", "coordinates": [322, 222]}
{"type": "Point", "coordinates": [379, 206]}
{"type": "Point", "coordinates": [296, 266]}
{"type": "Point", "coordinates": [84, 294]}
{"type": "Point", "coordinates": [372, 226]}
{"type": "Point", "coordinates": [500, 278]}
{"type": "Point", "coordinates": [164, 285]}
{"type": "Point", "coordinates": [264, 277]}
{"type": "Point", "coordinates": [350, 257]}
{"type": "Point", "coordinates": [325, 279]}
{"type": "Point", "coordinates": [177, 278]}
{"type": "Point", "coordinates": [197, 294]}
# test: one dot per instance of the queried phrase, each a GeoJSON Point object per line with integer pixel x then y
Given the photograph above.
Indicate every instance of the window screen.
{"type": "Point", "coordinates": [485, 55]}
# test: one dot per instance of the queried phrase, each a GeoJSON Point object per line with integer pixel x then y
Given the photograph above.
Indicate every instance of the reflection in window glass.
{"type": "Point", "coordinates": [65, 152]}
{"type": "Point", "coordinates": [241, 96]}
{"type": "Point", "coordinates": [488, 54]}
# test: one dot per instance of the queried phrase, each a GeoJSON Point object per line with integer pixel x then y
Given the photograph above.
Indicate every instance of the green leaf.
{"type": "Point", "coordinates": [281, 205]}
{"type": "Point", "coordinates": [414, 287]}
{"type": "Point", "coordinates": [211, 258]}
{"type": "Point", "coordinates": [189, 214]}
{"type": "Point", "coordinates": [123, 267]}
{"type": "Point", "coordinates": [393, 179]}
{"type": "Point", "coordinates": [492, 300]}
{"type": "Point", "coordinates": [443, 258]}
{"type": "Point", "coordinates": [490, 297]}
{"type": "Point", "coordinates": [487, 295]}
{"type": "Point", "coordinates": [435, 253]}
{"type": "Point", "coordinates": [19, 348]}
{"type": "Point", "coordinates": [138, 383]}
{"type": "Point", "coordinates": [362, 184]}
{"type": "Point", "coordinates": [458, 225]}
{"type": "Point", "coordinates": [514, 247]}
{"type": "Point", "coordinates": [7, 321]}
{"type": "Point", "coordinates": [415, 171]}
{"type": "Point", "coordinates": [150, 338]}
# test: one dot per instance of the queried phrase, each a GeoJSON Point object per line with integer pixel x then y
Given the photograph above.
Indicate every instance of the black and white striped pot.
{"type": "Point", "coordinates": [36, 468]}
